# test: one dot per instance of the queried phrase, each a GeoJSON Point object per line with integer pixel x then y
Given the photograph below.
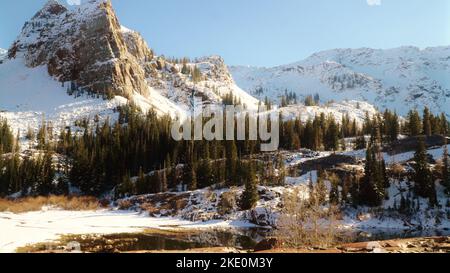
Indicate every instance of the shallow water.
{"type": "Point", "coordinates": [244, 239]}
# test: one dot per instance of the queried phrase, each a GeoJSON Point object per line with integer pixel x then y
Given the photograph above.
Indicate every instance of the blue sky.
{"type": "Point", "coordinates": [265, 32]}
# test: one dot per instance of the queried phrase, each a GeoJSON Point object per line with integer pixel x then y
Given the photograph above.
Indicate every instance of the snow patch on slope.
{"type": "Point", "coordinates": [356, 110]}
{"type": "Point", "coordinates": [3, 53]}
{"type": "Point", "coordinates": [29, 95]}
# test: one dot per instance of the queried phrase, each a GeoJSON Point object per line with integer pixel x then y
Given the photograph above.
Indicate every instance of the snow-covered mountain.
{"type": "Point", "coordinates": [87, 47]}
{"type": "Point", "coordinates": [84, 48]}
{"type": "Point", "coordinates": [400, 78]}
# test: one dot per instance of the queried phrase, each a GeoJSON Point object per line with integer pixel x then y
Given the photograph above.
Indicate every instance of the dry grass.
{"type": "Point", "coordinates": [37, 203]}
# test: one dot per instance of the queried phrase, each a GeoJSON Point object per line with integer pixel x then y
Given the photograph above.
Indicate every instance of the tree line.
{"type": "Point", "coordinates": [137, 155]}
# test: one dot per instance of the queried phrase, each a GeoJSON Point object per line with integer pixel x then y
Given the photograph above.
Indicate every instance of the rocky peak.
{"type": "Point", "coordinates": [3, 52]}
{"type": "Point", "coordinates": [51, 8]}
{"type": "Point", "coordinates": [137, 46]}
{"type": "Point", "coordinates": [86, 46]}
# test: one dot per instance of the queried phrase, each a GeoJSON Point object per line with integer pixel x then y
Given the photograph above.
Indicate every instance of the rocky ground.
{"type": "Point", "coordinates": [415, 245]}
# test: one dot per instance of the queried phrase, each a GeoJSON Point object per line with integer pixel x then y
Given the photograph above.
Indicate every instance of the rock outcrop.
{"type": "Point", "coordinates": [86, 46]}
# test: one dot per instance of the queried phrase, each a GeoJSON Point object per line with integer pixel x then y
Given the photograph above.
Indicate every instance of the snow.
{"type": "Point", "coordinates": [160, 104]}
{"type": "Point", "coordinates": [356, 110]}
{"type": "Point", "coordinates": [399, 79]}
{"type": "Point", "coordinates": [19, 230]}
{"type": "Point", "coordinates": [49, 224]}
{"type": "Point", "coordinates": [124, 29]}
{"type": "Point", "coordinates": [3, 53]}
{"type": "Point", "coordinates": [29, 95]}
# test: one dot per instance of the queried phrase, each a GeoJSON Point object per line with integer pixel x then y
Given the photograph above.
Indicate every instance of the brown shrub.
{"type": "Point", "coordinates": [306, 222]}
{"type": "Point", "coordinates": [125, 204]}
{"type": "Point", "coordinates": [227, 203]}
{"type": "Point", "coordinates": [37, 203]}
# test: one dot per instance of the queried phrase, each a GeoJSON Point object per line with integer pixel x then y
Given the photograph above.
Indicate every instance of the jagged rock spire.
{"type": "Point", "coordinates": [51, 8]}
{"type": "Point", "coordinates": [85, 45]}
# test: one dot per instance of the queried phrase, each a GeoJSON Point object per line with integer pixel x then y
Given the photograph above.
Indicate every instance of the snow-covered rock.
{"type": "Point", "coordinates": [83, 45]}
{"type": "Point", "coordinates": [87, 46]}
{"type": "Point", "coordinates": [3, 53]}
{"type": "Point", "coordinates": [400, 78]}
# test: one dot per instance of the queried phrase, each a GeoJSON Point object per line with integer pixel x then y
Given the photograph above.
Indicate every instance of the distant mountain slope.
{"type": "Point", "coordinates": [400, 78]}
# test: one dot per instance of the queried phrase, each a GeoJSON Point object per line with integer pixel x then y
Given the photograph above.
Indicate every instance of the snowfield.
{"type": "Point", "coordinates": [29, 96]}
{"type": "Point", "coordinates": [18, 230]}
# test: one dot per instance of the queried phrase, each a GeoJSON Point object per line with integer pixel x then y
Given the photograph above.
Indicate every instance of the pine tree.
{"type": "Point", "coordinates": [250, 195]}
{"type": "Point", "coordinates": [190, 176]}
{"type": "Point", "coordinates": [185, 69]}
{"type": "Point", "coordinates": [281, 170]}
{"type": "Point", "coordinates": [126, 186]}
{"type": "Point", "coordinates": [204, 173]}
{"type": "Point", "coordinates": [391, 125]}
{"type": "Point", "coordinates": [142, 185]}
{"type": "Point", "coordinates": [309, 101]}
{"type": "Point", "coordinates": [369, 191]}
{"type": "Point", "coordinates": [332, 135]}
{"type": "Point", "coordinates": [426, 122]}
{"type": "Point", "coordinates": [320, 190]}
{"type": "Point", "coordinates": [231, 162]}
{"type": "Point", "coordinates": [360, 143]}
{"type": "Point", "coordinates": [46, 176]}
{"type": "Point", "coordinates": [446, 169]}
{"type": "Point", "coordinates": [372, 191]}
{"type": "Point", "coordinates": [6, 137]}
{"type": "Point", "coordinates": [414, 123]}
{"type": "Point", "coordinates": [423, 180]}
{"type": "Point", "coordinates": [196, 75]}
{"type": "Point", "coordinates": [444, 125]}
{"type": "Point", "coordinates": [164, 181]}
{"type": "Point", "coordinates": [334, 192]}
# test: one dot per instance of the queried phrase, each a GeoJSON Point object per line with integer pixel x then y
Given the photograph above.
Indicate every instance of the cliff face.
{"type": "Point", "coordinates": [85, 46]}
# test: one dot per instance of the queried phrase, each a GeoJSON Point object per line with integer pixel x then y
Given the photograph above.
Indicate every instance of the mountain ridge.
{"type": "Point", "coordinates": [399, 78]}
{"type": "Point", "coordinates": [89, 48]}
{"type": "Point", "coordinates": [83, 45]}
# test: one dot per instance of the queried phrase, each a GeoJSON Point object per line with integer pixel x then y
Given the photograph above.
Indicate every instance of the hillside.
{"type": "Point", "coordinates": [400, 78]}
